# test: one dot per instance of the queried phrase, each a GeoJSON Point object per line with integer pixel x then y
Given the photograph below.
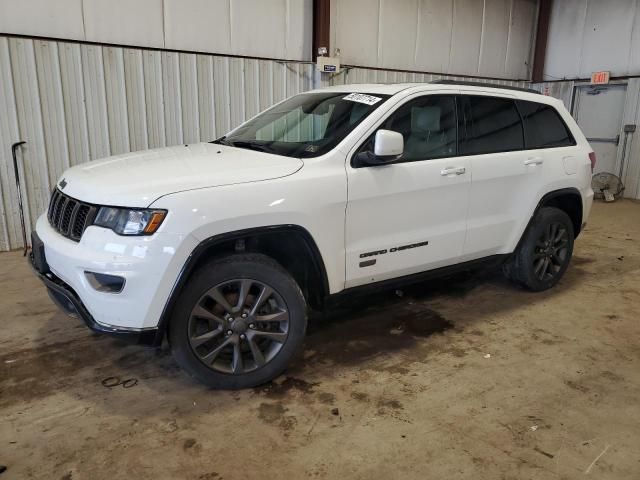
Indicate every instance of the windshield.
{"type": "Point", "coordinates": [307, 125]}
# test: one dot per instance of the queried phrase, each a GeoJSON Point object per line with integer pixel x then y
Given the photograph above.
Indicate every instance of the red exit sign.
{"type": "Point", "coordinates": [599, 78]}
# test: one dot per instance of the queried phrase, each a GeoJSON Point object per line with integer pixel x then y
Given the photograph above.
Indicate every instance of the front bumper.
{"type": "Point", "coordinates": [68, 301]}
{"type": "Point", "coordinates": [149, 266]}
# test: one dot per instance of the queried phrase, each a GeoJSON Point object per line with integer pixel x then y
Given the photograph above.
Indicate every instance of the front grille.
{"type": "Point", "coordinates": [68, 216]}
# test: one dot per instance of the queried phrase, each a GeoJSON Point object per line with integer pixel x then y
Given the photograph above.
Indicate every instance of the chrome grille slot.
{"type": "Point", "coordinates": [68, 216]}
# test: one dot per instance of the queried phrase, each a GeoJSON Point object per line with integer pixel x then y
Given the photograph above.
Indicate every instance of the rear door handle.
{"type": "Point", "coordinates": [534, 161]}
{"type": "Point", "coordinates": [445, 172]}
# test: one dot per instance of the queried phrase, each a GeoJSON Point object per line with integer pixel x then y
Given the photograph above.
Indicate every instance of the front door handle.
{"type": "Point", "coordinates": [534, 161]}
{"type": "Point", "coordinates": [445, 172]}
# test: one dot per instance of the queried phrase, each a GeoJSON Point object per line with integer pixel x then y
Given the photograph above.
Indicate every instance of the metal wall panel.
{"type": "Point", "coordinates": [592, 35]}
{"type": "Point", "coordinates": [259, 28]}
{"type": "Point", "coordinates": [631, 115]}
{"type": "Point", "coordinates": [392, 39]}
{"type": "Point", "coordinates": [30, 123]}
{"type": "Point", "coordinates": [77, 102]}
{"type": "Point", "coordinates": [493, 38]}
{"type": "Point", "coordinates": [522, 36]}
{"type": "Point", "coordinates": [154, 108]}
{"type": "Point", "coordinates": [631, 175]}
{"type": "Point", "coordinates": [9, 236]}
{"type": "Point", "coordinates": [435, 23]}
{"type": "Point", "coordinates": [468, 25]}
{"type": "Point", "coordinates": [236, 90]}
{"type": "Point", "coordinates": [206, 98]}
{"type": "Point", "coordinates": [172, 103]}
{"type": "Point", "coordinates": [116, 91]}
{"type": "Point", "coordinates": [43, 18]}
{"type": "Point", "coordinates": [251, 88]}
{"type": "Point", "coordinates": [52, 108]}
{"type": "Point", "coordinates": [125, 22]}
{"type": "Point", "coordinates": [135, 98]}
{"type": "Point", "coordinates": [222, 99]}
{"type": "Point", "coordinates": [189, 98]}
{"type": "Point", "coordinates": [95, 101]}
{"type": "Point", "coordinates": [189, 25]}
{"type": "Point", "coordinates": [74, 102]}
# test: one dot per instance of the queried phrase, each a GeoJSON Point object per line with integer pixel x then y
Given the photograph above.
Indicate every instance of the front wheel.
{"type": "Point", "coordinates": [544, 252]}
{"type": "Point", "coordinates": [239, 322]}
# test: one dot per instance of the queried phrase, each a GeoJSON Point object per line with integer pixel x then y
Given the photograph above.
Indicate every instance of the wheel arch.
{"type": "Point", "coordinates": [569, 201]}
{"type": "Point", "coordinates": [290, 245]}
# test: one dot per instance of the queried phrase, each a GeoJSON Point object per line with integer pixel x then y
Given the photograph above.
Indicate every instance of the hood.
{"type": "Point", "coordinates": [137, 179]}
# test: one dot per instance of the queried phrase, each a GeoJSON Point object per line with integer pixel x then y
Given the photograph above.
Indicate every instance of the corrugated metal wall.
{"type": "Point", "coordinates": [256, 28]}
{"type": "Point", "coordinates": [492, 38]}
{"type": "Point", "coordinates": [591, 35]}
{"type": "Point", "coordinates": [76, 102]}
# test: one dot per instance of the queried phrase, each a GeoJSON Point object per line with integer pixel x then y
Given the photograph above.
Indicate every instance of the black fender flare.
{"type": "Point", "coordinates": [206, 245]}
{"type": "Point", "coordinates": [544, 200]}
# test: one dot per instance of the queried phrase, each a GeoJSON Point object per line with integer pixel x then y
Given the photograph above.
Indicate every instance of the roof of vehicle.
{"type": "Point", "coordinates": [394, 88]}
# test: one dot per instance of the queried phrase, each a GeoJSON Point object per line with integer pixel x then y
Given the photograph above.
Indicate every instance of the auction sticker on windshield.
{"type": "Point", "coordinates": [362, 98]}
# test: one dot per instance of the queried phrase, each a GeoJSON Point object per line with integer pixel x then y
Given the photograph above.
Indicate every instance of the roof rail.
{"type": "Point", "coordinates": [483, 84]}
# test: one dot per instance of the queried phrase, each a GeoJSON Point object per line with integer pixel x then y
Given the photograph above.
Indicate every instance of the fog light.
{"type": "Point", "coordinates": [105, 283]}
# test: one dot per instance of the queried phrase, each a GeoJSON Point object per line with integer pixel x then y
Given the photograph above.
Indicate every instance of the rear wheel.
{"type": "Point", "coordinates": [240, 321]}
{"type": "Point", "coordinates": [544, 252]}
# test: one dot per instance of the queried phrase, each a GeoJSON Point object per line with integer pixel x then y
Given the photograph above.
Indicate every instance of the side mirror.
{"type": "Point", "coordinates": [387, 148]}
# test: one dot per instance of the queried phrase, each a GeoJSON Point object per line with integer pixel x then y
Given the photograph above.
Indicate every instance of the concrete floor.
{"type": "Point", "coordinates": [464, 378]}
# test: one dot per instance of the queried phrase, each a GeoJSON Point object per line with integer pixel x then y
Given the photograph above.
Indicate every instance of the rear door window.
{"type": "Point", "coordinates": [488, 125]}
{"type": "Point", "coordinates": [543, 126]}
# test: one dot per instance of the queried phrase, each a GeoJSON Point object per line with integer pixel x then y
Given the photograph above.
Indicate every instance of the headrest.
{"type": "Point", "coordinates": [425, 119]}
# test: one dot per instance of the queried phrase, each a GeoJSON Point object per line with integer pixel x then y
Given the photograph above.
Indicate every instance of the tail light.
{"type": "Point", "coordinates": [592, 157]}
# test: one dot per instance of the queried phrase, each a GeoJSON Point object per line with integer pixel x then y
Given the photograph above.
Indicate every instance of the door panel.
{"type": "Point", "coordinates": [502, 188]}
{"type": "Point", "coordinates": [409, 217]}
{"type": "Point", "coordinates": [493, 136]}
{"type": "Point", "coordinates": [598, 111]}
{"type": "Point", "coordinates": [401, 207]}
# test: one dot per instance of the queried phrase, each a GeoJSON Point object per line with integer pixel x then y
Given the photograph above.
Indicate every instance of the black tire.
{"type": "Point", "coordinates": [544, 252]}
{"type": "Point", "coordinates": [245, 367]}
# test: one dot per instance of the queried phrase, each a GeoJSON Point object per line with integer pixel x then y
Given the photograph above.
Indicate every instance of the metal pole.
{"type": "Point", "coordinates": [15, 147]}
{"type": "Point", "coordinates": [628, 130]}
{"type": "Point", "coordinates": [624, 156]}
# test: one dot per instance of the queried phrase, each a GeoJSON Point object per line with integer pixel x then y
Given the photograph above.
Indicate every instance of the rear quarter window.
{"type": "Point", "coordinates": [543, 126]}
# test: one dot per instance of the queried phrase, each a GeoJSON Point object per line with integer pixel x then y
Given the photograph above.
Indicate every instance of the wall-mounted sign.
{"type": "Point", "coordinates": [329, 64]}
{"type": "Point", "coordinates": [600, 78]}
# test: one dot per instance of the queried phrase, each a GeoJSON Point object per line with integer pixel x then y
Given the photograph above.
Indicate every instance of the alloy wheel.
{"type": "Point", "coordinates": [238, 326]}
{"type": "Point", "coordinates": [551, 251]}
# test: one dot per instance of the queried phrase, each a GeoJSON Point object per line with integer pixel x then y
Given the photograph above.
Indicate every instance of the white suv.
{"type": "Point", "coordinates": [222, 246]}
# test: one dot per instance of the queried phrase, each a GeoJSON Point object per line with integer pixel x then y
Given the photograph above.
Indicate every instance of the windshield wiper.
{"type": "Point", "coordinates": [260, 147]}
{"type": "Point", "coordinates": [222, 141]}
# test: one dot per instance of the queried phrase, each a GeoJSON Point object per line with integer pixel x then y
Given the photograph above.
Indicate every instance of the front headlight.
{"type": "Point", "coordinates": [125, 221]}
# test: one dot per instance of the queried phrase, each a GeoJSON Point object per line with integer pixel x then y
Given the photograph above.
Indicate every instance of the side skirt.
{"type": "Point", "coordinates": [481, 263]}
